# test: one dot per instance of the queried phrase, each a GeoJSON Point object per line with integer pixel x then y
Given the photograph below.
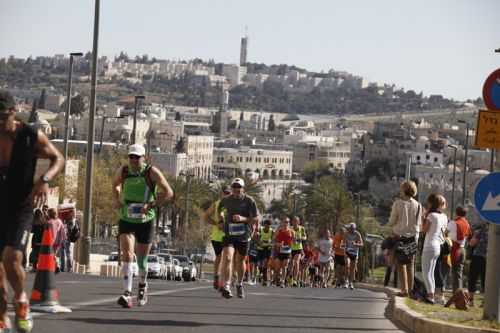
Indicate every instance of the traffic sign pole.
{"type": "Point", "coordinates": [491, 97]}
{"type": "Point", "coordinates": [492, 287]}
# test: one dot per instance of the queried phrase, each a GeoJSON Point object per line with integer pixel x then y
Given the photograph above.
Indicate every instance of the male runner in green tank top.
{"type": "Point", "coordinates": [136, 198]}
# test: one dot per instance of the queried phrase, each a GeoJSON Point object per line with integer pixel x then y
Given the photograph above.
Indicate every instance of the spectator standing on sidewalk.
{"type": "Point", "coordinates": [405, 221]}
{"type": "Point", "coordinates": [58, 231]}
{"type": "Point", "coordinates": [434, 227]}
{"type": "Point", "coordinates": [459, 232]}
{"type": "Point", "coordinates": [36, 241]}
{"type": "Point", "coordinates": [72, 235]}
{"type": "Point", "coordinates": [477, 269]}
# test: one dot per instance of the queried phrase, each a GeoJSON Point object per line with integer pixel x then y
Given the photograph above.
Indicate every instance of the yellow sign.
{"type": "Point", "coordinates": [488, 129]}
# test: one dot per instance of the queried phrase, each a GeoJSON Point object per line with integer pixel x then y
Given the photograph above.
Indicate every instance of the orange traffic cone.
{"type": "Point", "coordinates": [44, 296]}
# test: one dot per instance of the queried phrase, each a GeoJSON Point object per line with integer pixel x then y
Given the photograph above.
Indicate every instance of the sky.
{"type": "Point", "coordinates": [437, 47]}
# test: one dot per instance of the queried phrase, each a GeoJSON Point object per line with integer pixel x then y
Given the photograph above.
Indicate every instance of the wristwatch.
{"type": "Point", "coordinates": [44, 179]}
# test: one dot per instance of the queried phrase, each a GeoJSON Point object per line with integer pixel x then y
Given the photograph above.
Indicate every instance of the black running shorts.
{"type": "Point", "coordinates": [339, 260]}
{"type": "Point", "coordinates": [15, 228]}
{"type": "Point", "coordinates": [284, 256]}
{"type": "Point", "coordinates": [241, 247]}
{"type": "Point", "coordinates": [217, 247]}
{"type": "Point", "coordinates": [143, 232]}
{"type": "Point", "coordinates": [264, 254]}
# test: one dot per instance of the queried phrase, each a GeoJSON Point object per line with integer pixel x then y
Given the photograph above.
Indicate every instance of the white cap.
{"type": "Point", "coordinates": [137, 150]}
{"type": "Point", "coordinates": [238, 181]}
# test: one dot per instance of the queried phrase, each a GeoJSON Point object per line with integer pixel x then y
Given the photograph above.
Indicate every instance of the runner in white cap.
{"type": "Point", "coordinates": [136, 198]}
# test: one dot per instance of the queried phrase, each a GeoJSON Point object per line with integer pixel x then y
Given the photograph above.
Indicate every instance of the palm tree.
{"type": "Point", "coordinates": [328, 203]}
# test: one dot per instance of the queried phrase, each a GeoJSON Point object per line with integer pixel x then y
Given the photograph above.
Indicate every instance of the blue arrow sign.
{"type": "Point", "coordinates": [487, 198]}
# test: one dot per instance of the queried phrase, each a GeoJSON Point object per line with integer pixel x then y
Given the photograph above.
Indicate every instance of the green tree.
{"type": "Point", "coordinates": [316, 169]}
{"type": "Point", "coordinates": [77, 105]}
{"type": "Point", "coordinates": [42, 99]}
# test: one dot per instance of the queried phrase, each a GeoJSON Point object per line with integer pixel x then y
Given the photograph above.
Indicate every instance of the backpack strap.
{"type": "Point", "coordinates": [149, 181]}
{"type": "Point", "coordinates": [124, 172]}
{"type": "Point", "coordinates": [147, 177]}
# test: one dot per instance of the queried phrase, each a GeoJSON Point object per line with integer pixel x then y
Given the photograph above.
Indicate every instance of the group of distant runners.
{"type": "Point", "coordinates": [283, 256]}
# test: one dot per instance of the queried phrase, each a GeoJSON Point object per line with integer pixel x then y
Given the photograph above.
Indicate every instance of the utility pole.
{"type": "Point", "coordinates": [87, 213]}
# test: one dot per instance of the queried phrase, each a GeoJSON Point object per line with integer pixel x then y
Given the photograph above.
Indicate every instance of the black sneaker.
{"type": "Point", "coordinates": [226, 292]}
{"type": "Point", "coordinates": [125, 300]}
{"type": "Point", "coordinates": [142, 297]}
{"type": "Point", "coordinates": [240, 292]}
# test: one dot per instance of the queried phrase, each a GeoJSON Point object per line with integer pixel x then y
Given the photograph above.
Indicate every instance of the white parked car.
{"type": "Point", "coordinates": [169, 266]}
{"type": "Point", "coordinates": [176, 270]}
{"type": "Point", "coordinates": [189, 271]}
{"type": "Point", "coordinates": [156, 267]}
{"type": "Point", "coordinates": [113, 259]}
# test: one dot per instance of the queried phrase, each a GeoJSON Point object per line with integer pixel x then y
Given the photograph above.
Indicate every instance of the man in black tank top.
{"type": "Point", "coordinates": [20, 146]}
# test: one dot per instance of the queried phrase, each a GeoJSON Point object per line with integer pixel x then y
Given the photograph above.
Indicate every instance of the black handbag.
{"type": "Point", "coordinates": [406, 248]}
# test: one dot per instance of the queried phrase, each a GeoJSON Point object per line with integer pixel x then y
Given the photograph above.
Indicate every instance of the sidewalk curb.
{"type": "Point", "coordinates": [416, 322]}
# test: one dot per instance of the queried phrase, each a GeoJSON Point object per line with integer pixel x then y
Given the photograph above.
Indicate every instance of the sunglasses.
{"type": "Point", "coordinates": [134, 157]}
{"type": "Point", "coordinates": [235, 186]}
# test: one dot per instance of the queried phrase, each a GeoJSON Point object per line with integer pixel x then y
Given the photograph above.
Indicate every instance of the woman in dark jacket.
{"type": "Point", "coordinates": [36, 240]}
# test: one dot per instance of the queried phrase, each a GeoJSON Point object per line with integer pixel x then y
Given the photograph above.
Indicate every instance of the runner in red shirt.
{"type": "Point", "coordinates": [284, 239]}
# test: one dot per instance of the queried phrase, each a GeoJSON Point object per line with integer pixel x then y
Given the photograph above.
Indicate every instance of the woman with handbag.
{"type": "Point", "coordinates": [405, 221]}
{"type": "Point", "coordinates": [435, 223]}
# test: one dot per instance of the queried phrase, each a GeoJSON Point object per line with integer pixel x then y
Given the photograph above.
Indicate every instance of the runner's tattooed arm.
{"type": "Point", "coordinates": [46, 150]}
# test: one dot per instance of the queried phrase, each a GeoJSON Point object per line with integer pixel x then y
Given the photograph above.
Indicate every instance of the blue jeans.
{"type": "Point", "coordinates": [66, 256]}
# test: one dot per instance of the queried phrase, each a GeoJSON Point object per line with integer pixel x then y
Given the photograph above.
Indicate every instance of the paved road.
{"type": "Point", "coordinates": [196, 307]}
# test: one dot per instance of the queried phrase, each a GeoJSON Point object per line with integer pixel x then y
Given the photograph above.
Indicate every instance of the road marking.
{"type": "Point", "coordinates": [109, 299]}
{"type": "Point", "coordinates": [79, 305]}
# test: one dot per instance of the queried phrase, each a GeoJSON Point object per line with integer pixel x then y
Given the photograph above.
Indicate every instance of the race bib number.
{"type": "Point", "coordinates": [285, 249]}
{"type": "Point", "coordinates": [134, 211]}
{"type": "Point", "coordinates": [237, 229]}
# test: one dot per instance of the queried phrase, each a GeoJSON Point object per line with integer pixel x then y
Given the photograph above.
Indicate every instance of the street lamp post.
{"type": "Point", "coordinates": [148, 140]}
{"type": "Point", "coordinates": [358, 208]}
{"type": "Point", "coordinates": [452, 212]}
{"type": "Point", "coordinates": [188, 176]}
{"type": "Point", "coordinates": [68, 107]}
{"type": "Point", "coordinates": [104, 117]}
{"type": "Point", "coordinates": [134, 126]}
{"type": "Point", "coordinates": [464, 191]}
